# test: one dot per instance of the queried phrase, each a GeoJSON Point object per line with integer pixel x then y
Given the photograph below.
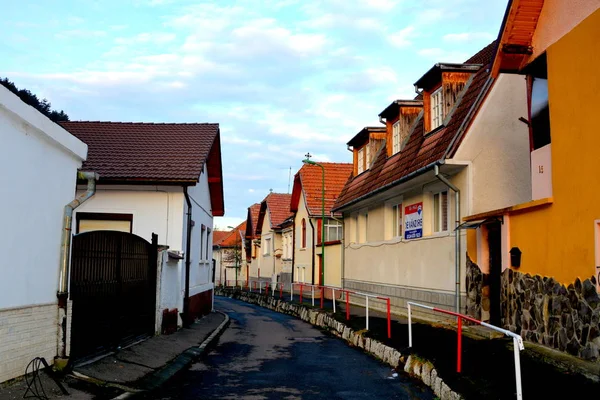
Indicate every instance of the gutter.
{"type": "Point", "coordinates": [65, 248]}
{"type": "Point", "coordinates": [186, 297]}
{"type": "Point", "coordinates": [457, 249]}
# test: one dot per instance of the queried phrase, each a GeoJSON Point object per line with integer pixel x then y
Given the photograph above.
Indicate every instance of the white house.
{"type": "Point", "coordinates": [39, 166]}
{"type": "Point", "coordinates": [438, 155]}
{"type": "Point", "coordinates": [164, 179]}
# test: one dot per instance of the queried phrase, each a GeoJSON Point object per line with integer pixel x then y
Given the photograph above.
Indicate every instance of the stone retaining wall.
{"type": "Point", "coordinates": [387, 354]}
{"type": "Point", "coordinates": [542, 310]}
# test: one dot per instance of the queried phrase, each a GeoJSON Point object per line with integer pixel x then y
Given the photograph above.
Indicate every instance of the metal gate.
{"type": "Point", "coordinates": [113, 289]}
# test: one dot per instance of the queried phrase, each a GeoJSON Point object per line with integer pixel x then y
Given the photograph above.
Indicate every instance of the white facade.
{"type": "Point", "coordinates": [39, 164]}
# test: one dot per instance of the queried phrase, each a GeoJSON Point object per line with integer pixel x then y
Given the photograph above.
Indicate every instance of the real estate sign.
{"type": "Point", "coordinates": [413, 217]}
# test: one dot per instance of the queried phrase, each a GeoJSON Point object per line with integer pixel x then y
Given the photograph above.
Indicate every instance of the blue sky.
{"type": "Point", "coordinates": [283, 78]}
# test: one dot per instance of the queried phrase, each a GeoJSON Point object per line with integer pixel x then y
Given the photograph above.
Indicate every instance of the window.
{"type": "Point", "coordinates": [303, 236]}
{"type": "Point", "coordinates": [367, 156]}
{"type": "Point", "coordinates": [333, 230]}
{"type": "Point", "coordinates": [361, 160]}
{"type": "Point", "coordinates": [436, 108]}
{"type": "Point", "coordinates": [267, 247]}
{"type": "Point", "coordinates": [440, 212]}
{"type": "Point", "coordinates": [87, 222]}
{"type": "Point", "coordinates": [207, 241]}
{"type": "Point", "coordinates": [356, 230]}
{"type": "Point", "coordinates": [366, 228]}
{"type": "Point", "coordinates": [397, 220]}
{"type": "Point", "coordinates": [396, 137]}
{"type": "Point", "coordinates": [202, 241]}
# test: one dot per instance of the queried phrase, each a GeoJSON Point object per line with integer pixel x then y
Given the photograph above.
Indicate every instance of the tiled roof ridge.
{"type": "Point", "coordinates": [138, 123]}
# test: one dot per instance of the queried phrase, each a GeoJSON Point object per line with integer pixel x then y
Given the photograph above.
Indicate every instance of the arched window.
{"type": "Point", "coordinates": [303, 233]}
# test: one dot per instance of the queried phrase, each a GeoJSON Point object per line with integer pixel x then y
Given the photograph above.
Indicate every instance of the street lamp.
{"type": "Point", "coordinates": [235, 255]}
{"type": "Point", "coordinates": [308, 161]}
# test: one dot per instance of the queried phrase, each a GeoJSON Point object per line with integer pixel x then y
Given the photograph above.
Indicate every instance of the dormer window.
{"type": "Point", "coordinates": [436, 108]}
{"type": "Point", "coordinates": [396, 137]}
{"type": "Point", "coordinates": [361, 160]}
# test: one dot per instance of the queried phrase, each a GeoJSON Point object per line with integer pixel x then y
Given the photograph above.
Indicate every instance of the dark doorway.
{"type": "Point", "coordinates": [495, 252]}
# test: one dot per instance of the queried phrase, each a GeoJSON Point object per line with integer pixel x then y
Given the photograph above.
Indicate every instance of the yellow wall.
{"type": "Point", "coordinates": [558, 240]}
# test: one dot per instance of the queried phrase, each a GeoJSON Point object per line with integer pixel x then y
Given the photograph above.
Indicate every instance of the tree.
{"type": "Point", "coordinates": [31, 99]}
{"type": "Point", "coordinates": [233, 256]}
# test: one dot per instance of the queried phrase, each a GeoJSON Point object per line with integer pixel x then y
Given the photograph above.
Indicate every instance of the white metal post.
{"type": "Point", "coordinates": [333, 295]}
{"type": "Point", "coordinates": [260, 287]}
{"type": "Point", "coordinates": [312, 290]}
{"type": "Point", "coordinates": [292, 291]}
{"type": "Point", "coordinates": [409, 327]}
{"type": "Point", "coordinates": [517, 346]}
{"type": "Point", "coordinates": [367, 309]}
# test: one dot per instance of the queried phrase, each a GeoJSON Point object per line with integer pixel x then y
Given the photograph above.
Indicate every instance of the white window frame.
{"type": "Point", "coordinates": [397, 220]}
{"type": "Point", "coordinates": [361, 160]}
{"type": "Point", "coordinates": [438, 214]}
{"type": "Point", "coordinates": [267, 247]}
{"type": "Point", "coordinates": [437, 112]}
{"type": "Point", "coordinates": [396, 137]}
{"type": "Point", "coordinates": [367, 156]}
{"type": "Point", "coordinates": [333, 224]}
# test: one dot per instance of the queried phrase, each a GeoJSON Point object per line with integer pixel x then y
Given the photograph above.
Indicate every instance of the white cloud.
{"type": "Point", "coordinates": [403, 37]}
{"type": "Point", "coordinates": [79, 33]}
{"type": "Point", "coordinates": [431, 15]}
{"type": "Point", "coordinates": [467, 37]}
{"type": "Point", "coordinates": [147, 37]}
{"type": "Point", "coordinates": [443, 55]}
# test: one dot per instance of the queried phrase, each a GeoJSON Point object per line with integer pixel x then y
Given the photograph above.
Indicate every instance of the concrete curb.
{"type": "Point", "coordinates": [158, 378]}
{"type": "Point", "coordinates": [387, 354]}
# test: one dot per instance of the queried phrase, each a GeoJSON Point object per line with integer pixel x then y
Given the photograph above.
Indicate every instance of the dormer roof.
{"type": "Point", "coordinates": [394, 107]}
{"type": "Point", "coordinates": [434, 75]}
{"type": "Point", "coordinates": [362, 136]}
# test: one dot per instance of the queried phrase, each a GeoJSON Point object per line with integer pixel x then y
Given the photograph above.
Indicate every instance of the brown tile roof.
{"type": "Point", "coordinates": [309, 180]}
{"type": "Point", "coordinates": [421, 151]}
{"type": "Point", "coordinates": [234, 237]}
{"type": "Point", "coordinates": [278, 206]}
{"type": "Point", "coordinates": [124, 151]}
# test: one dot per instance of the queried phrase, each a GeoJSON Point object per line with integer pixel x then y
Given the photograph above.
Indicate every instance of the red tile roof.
{"type": "Point", "coordinates": [421, 151]}
{"type": "Point", "coordinates": [252, 221]}
{"type": "Point", "coordinates": [309, 180]}
{"type": "Point", "coordinates": [124, 151]}
{"type": "Point", "coordinates": [218, 237]}
{"type": "Point", "coordinates": [234, 237]}
{"type": "Point", "coordinates": [278, 207]}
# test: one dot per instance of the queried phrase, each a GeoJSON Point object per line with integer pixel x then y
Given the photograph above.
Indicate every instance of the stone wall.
{"type": "Point", "coordinates": [544, 311]}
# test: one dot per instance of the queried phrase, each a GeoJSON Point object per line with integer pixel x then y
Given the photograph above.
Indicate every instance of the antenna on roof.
{"type": "Point", "coordinates": [270, 190]}
{"type": "Point", "coordinates": [289, 179]}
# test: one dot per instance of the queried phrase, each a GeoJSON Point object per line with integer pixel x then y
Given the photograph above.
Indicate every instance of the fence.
{"type": "Point", "coordinates": [517, 340]}
{"type": "Point", "coordinates": [260, 286]}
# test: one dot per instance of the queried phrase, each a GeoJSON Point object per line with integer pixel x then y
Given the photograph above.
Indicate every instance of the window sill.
{"type": "Point", "coordinates": [331, 243]}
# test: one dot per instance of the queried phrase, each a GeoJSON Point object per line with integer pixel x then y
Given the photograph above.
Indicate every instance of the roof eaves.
{"type": "Point", "coordinates": [385, 187]}
{"type": "Point", "coordinates": [425, 82]}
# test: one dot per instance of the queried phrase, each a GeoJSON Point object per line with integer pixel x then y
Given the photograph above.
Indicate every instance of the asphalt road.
{"type": "Point", "coordinates": [267, 355]}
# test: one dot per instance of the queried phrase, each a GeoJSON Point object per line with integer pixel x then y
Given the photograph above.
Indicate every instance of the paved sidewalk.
{"type": "Point", "coordinates": [141, 367]}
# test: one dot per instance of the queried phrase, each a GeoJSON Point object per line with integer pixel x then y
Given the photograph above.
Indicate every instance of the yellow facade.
{"type": "Point", "coordinates": [558, 240]}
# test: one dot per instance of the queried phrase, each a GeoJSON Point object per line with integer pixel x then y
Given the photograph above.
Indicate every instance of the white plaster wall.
{"type": "Point", "coordinates": [155, 209]}
{"type": "Point", "coordinates": [39, 170]}
{"type": "Point", "coordinates": [425, 263]}
{"type": "Point", "coordinates": [201, 267]}
{"type": "Point", "coordinates": [497, 145]}
{"type": "Point", "coordinates": [303, 256]}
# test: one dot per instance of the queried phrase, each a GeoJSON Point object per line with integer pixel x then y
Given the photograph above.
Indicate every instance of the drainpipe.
{"type": "Point", "coordinates": [65, 248]}
{"type": "Point", "coordinates": [313, 249]}
{"type": "Point", "coordinates": [457, 250]}
{"type": "Point", "coordinates": [186, 297]}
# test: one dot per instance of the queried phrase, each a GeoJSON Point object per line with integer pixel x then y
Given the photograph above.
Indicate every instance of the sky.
{"type": "Point", "coordinates": [281, 77]}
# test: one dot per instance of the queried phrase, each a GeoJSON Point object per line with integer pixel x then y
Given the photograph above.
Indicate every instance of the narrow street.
{"type": "Point", "coordinates": [267, 355]}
